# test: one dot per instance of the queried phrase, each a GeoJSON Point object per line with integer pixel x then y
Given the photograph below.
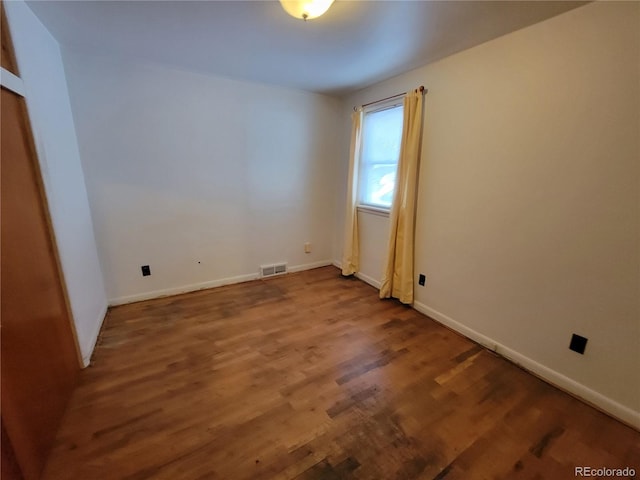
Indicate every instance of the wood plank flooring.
{"type": "Point", "coordinates": [309, 376]}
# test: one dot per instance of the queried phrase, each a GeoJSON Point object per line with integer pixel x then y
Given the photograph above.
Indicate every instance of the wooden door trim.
{"type": "Point", "coordinates": [25, 457]}
{"type": "Point", "coordinates": [9, 72]}
{"type": "Point", "coordinates": [29, 455]}
{"type": "Point", "coordinates": [8, 54]}
{"type": "Point", "coordinates": [14, 83]}
{"type": "Point", "coordinates": [53, 242]}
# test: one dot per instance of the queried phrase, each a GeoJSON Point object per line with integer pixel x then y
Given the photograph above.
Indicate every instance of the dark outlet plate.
{"type": "Point", "coordinates": [421, 279]}
{"type": "Point", "coordinates": [578, 343]}
{"type": "Point", "coordinates": [146, 271]}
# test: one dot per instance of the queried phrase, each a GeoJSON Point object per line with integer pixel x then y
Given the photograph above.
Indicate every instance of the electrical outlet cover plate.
{"type": "Point", "coordinates": [578, 343]}
{"type": "Point", "coordinates": [146, 271]}
{"type": "Point", "coordinates": [421, 279]}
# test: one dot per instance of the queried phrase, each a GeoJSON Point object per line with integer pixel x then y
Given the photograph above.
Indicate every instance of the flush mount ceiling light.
{"type": "Point", "coordinates": [306, 9]}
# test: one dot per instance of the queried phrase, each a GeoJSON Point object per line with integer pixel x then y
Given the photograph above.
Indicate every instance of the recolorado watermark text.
{"type": "Point", "coordinates": [626, 472]}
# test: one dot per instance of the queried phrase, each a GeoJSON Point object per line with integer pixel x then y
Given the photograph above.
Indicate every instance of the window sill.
{"type": "Point", "coordinates": [381, 212]}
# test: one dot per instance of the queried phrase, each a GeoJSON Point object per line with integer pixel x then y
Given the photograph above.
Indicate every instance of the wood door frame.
{"type": "Point", "coordinates": [31, 443]}
{"type": "Point", "coordinates": [19, 450]}
{"type": "Point", "coordinates": [45, 205]}
{"type": "Point", "coordinates": [12, 82]}
{"type": "Point", "coordinates": [8, 54]}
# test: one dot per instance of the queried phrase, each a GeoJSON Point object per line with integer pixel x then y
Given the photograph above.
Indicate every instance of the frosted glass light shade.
{"type": "Point", "coordinates": [306, 9]}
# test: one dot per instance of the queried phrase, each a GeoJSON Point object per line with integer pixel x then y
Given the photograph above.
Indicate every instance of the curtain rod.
{"type": "Point", "coordinates": [421, 89]}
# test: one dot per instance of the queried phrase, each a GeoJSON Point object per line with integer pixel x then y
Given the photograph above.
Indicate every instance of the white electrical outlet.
{"type": "Point", "coordinates": [307, 247]}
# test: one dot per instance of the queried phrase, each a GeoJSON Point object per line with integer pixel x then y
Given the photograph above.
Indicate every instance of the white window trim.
{"type": "Point", "coordinates": [371, 210]}
{"type": "Point", "coordinates": [378, 107]}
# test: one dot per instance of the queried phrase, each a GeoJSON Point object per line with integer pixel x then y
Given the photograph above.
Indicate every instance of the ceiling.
{"type": "Point", "coordinates": [355, 44]}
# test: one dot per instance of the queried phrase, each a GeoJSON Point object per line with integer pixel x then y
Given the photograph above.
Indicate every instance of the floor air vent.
{"type": "Point", "coordinates": [271, 270]}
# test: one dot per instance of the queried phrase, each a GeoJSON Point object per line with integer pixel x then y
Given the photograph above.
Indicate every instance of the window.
{"type": "Point", "coordinates": [381, 137]}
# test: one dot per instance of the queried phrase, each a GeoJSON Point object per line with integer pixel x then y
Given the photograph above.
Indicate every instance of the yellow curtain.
{"type": "Point", "coordinates": [351, 250]}
{"type": "Point", "coordinates": [397, 278]}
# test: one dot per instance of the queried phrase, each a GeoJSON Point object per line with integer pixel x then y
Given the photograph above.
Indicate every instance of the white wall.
{"type": "Point", "coordinates": [41, 69]}
{"type": "Point", "coordinates": [201, 177]}
{"type": "Point", "coordinates": [528, 210]}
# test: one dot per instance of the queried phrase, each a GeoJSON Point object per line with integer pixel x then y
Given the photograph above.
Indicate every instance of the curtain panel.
{"type": "Point", "coordinates": [397, 278]}
{"type": "Point", "coordinates": [351, 249]}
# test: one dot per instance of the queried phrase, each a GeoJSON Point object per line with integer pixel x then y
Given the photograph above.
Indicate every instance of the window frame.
{"type": "Point", "coordinates": [378, 107]}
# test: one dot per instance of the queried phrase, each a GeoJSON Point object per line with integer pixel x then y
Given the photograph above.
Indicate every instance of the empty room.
{"type": "Point", "coordinates": [317, 239]}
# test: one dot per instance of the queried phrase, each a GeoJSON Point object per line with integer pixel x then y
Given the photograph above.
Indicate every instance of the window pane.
{"type": "Point", "coordinates": [378, 184]}
{"type": "Point", "coordinates": [382, 133]}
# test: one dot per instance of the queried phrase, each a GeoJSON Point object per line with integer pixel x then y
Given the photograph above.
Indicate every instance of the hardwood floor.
{"type": "Point", "coordinates": [310, 376]}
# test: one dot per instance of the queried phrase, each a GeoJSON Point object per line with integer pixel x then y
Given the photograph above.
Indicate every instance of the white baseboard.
{"type": "Point", "coordinates": [615, 409]}
{"type": "Point", "coordinates": [367, 279]}
{"type": "Point", "coordinates": [86, 357]}
{"type": "Point", "coordinates": [204, 285]}
{"type": "Point", "coordinates": [138, 297]}
{"type": "Point", "coordinates": [309, 266]}
{"type": "Point", "coordinates": [362, 276]}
